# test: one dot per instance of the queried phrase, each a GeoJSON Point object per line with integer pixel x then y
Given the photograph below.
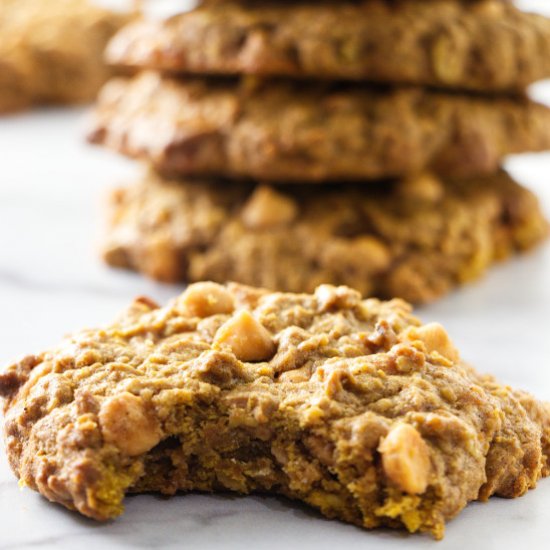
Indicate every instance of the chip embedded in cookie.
{"type": "Point", "coordinates": [350, 405]}
{"type": "Point", "coordinates": [417, 238]}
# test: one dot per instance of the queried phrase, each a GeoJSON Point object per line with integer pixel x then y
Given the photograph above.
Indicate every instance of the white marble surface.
{"type": "Point", "coordinates": [51, 282]}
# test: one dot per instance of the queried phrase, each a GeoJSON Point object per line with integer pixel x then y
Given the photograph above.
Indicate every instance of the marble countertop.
{"type": "Point", "coordinates": [51, 282]}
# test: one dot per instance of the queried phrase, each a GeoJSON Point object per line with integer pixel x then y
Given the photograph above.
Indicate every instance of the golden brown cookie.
{"type": "Point", "coordinates": [484, 45]}
{"type": "Point", "coordinates": [417, 238]}
{"type": "Point", "coordinates": [284, 131]}
{"type": "Point", "coordinates": [349, 405]}
{"type": "Point", "coordinates": [52, 52]}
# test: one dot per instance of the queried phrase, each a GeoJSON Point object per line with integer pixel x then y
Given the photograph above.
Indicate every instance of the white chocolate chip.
{"type": "Point", "coordinates": [406, 459]}
{"type": "Point", "coordinates": [126, 423]}
{"type": "Point", "coordinates": [206, 299]}
{"type": "Point", "coordinates": [248, 338]}
{"type": "Point", "coordinates": [268, 208]}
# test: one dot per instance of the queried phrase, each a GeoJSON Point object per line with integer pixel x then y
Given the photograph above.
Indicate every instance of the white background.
{"type": "Point", "coordinates": [51, 282]}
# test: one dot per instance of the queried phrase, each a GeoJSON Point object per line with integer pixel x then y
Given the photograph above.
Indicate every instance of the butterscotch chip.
{"type": "Point", "coordinates": [268, 208]}
{"type": "Point", "coordinates": [406, 459]}
{"type": "Point", "coordinates": [125, 422]}
{"type": "Point", "coordinates": [312, 132]}
{"type": "Point", "coordinates": [206, 299]}
{"type": "Point", "coordinates": [344, 413]}
{"type": "Point", "coordinates": [245, 337]}
{"type": "Point", "coordinates": [421, 188]}
{"type": "Point", "coordinates": [52, 52]}
{"type": "Point", "coordinates": [488, 45]}
{"type": "Point", "coordinates": [436, 339]}
{"type": "Point", "coordinates": [380, 239]}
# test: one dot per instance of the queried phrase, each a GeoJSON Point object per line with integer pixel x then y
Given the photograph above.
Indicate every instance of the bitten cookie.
{"type": "Point", "coordinates": [417, 238]}
{"type": "Point", "coordinates": [349, 405]}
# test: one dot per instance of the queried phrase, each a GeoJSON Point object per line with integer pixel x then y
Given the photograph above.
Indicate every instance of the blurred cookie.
{"type": "Point", "coordinates": [416, 238]}
{"type": "Point", "coordinates": [485, 45]}
{"type": "Point", "coordinates": [307, 132]}
{"type": "Point", "coordinates": [52, 52]}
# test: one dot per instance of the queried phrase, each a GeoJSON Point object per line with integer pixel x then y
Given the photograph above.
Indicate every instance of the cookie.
{"type": "Point", "coordinates": [416, 239]}
{"type": "Point", "coordinates": [311, 133]}
{"type": "Point", "coordinates": [349, 405]}
{"type": "Point", "coordinates": [13, 75]}
{"type": "Point", "coordinates": [52, 52]}
{"type": "Point", "coordinates": [484, 46]}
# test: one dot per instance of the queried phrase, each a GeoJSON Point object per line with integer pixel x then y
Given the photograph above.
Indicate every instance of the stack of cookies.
{"type": "Point", "coordinates": [348, 142]}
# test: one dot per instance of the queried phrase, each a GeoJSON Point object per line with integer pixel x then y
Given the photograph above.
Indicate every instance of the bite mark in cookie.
{"type": "Point", "coordinates": [350, 405]}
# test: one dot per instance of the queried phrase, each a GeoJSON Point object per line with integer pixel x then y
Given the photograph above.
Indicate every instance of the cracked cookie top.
{"type": "Point", "coordinates": [349, 404]}
{"type": "Point", "coordinates": [488, 45]}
